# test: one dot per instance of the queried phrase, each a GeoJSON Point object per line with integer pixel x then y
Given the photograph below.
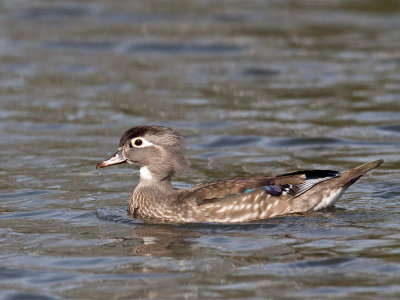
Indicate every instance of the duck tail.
{"type": "Point", "coordinates": [347, 178]}
{"type": "Point", "coordinates": [326, 193]}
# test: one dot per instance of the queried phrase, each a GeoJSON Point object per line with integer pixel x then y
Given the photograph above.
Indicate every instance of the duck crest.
{"type": "Point", "coordinates": [160, 155]}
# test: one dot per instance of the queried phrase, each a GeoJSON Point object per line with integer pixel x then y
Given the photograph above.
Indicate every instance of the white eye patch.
{"type": "Point", "coordinates": [139, 142]}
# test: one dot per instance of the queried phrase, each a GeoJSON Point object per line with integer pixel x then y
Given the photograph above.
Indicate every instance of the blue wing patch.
{"type": "Point", "coordinates": [272, 190]}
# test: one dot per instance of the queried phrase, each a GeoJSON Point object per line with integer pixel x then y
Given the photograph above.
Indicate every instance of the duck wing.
{"type": "Point", "coordinates": [293, 184]}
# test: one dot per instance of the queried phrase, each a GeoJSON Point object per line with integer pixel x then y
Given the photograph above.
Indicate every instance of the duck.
{"type": "Point", "coordinates": [159, 152]}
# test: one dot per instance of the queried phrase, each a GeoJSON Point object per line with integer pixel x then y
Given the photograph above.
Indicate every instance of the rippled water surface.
{"type": "Point", "coordinates": [255, 87]}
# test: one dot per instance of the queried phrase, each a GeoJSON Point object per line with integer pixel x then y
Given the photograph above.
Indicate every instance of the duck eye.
{"type": "Point", "coordinates": [139, 142]}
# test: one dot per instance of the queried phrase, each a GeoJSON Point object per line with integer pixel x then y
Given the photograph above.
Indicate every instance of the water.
{"type": "Point", "coordinates": [255, 87]}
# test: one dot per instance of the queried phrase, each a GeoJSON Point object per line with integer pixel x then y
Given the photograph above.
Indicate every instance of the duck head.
{"type": "Point", "coordinates": [158, 150]}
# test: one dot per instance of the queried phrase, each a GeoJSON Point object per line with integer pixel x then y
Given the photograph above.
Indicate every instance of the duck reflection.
{"type": "Point", "coordinates": [183, 240]}
{"type": "Point", "coordinates": [164, 240]}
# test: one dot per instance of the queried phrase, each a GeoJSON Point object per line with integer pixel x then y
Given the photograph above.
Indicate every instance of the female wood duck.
{"type": "Point", "coordinates": [159, 152]}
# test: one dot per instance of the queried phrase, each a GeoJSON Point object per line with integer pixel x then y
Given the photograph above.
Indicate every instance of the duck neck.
{"type": "Point", "coordinates": [150, 179]}
{"type": "Point", "coordinates": [150, 194]}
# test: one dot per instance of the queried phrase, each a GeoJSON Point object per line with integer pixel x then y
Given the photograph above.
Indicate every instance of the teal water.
{"type": "Point", "coordinates": [255, 88]}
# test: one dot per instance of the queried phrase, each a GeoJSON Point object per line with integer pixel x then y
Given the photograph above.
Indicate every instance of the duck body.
{"type": "Point", "coordinates": [159, 152]}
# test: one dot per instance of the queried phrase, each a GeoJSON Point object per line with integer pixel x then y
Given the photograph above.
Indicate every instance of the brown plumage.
{"type": "Point", "coordinates": [159, 152]}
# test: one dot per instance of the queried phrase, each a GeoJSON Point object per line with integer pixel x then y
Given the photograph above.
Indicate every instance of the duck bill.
{"type": "Point", "coordinates": [115, 159]}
